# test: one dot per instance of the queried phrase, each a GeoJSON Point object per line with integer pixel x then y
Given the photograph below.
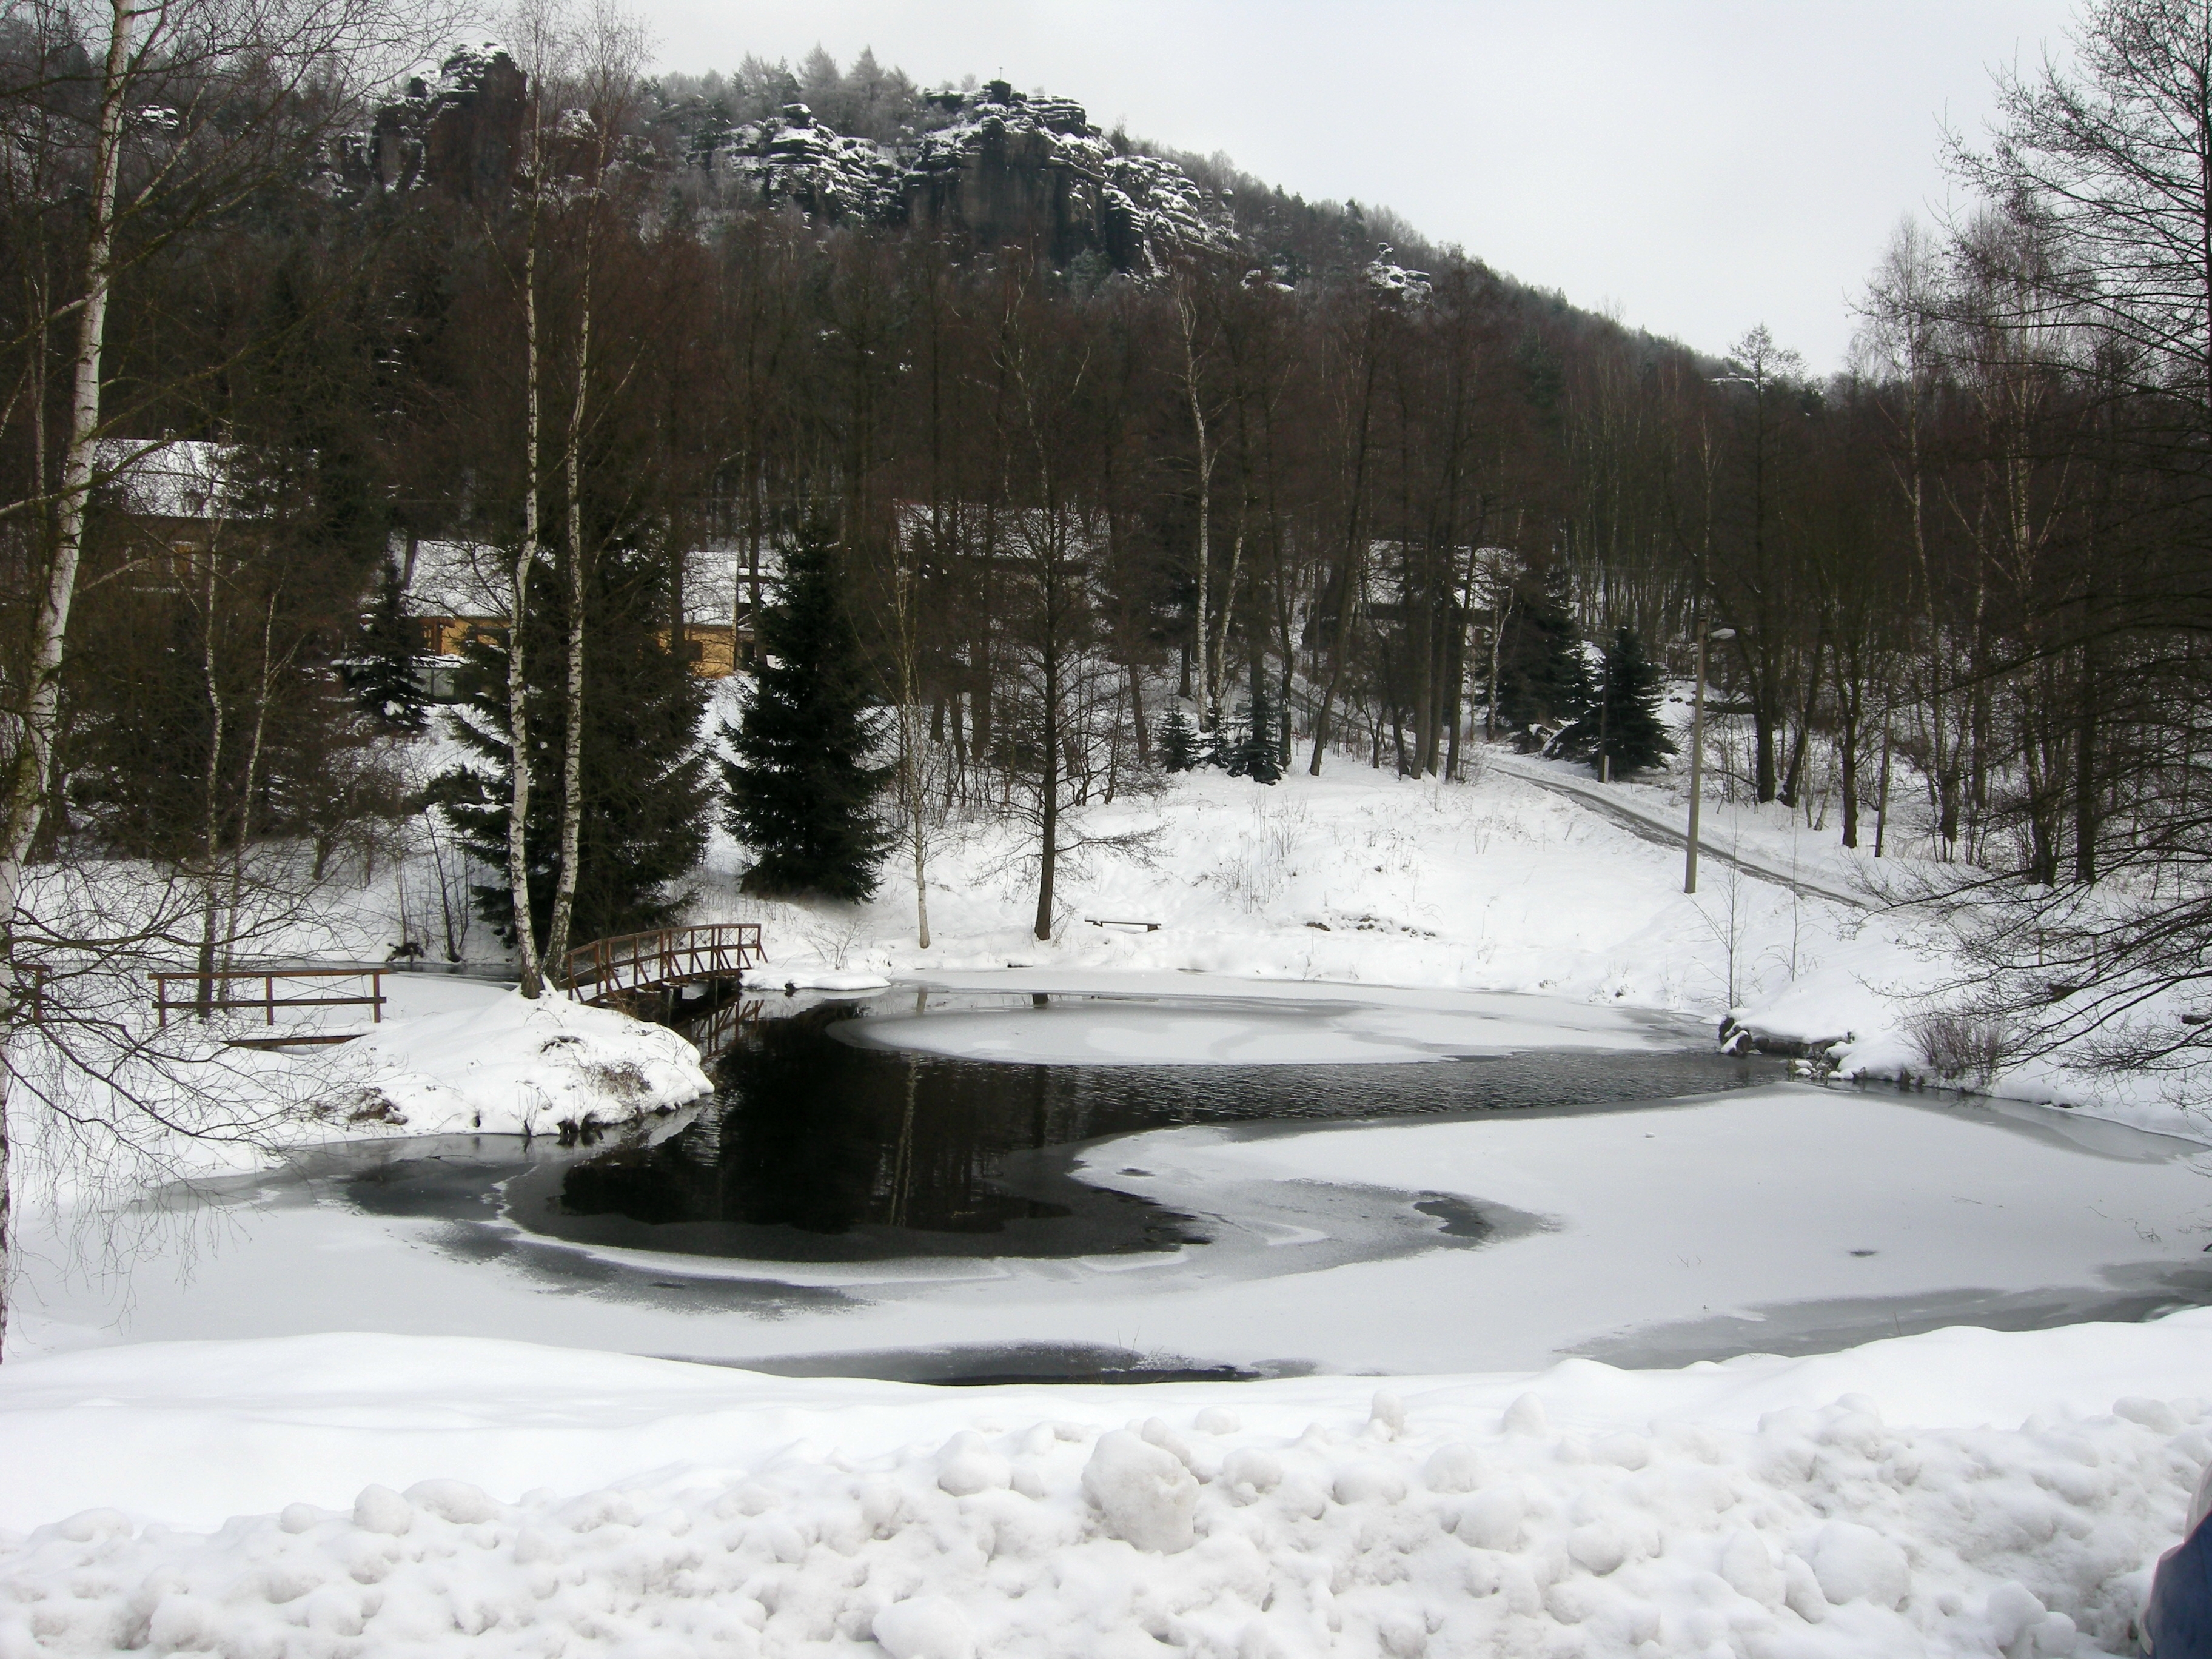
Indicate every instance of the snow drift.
{"type": "Point", "coordinates": [1743, 1508]}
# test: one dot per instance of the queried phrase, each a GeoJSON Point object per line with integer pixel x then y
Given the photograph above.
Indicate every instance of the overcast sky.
{"type": "Point", "coordinates": [1694, 168]}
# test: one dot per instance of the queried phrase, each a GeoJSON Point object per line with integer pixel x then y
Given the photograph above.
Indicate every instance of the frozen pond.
{"type": "Point", "coordinates": [845, 1132]}
{"type": "Point", "coordinates": [862, 1197]}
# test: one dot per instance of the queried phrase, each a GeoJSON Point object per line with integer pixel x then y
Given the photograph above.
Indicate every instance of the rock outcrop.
{"type": "Point", "coordinates": [462, 135]}
{"type": "Point", "coordinates": [995, 164]}
{"type": "Point", "coordinates": [1003, 167]}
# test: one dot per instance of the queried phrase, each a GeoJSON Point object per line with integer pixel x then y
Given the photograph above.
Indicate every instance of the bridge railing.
{"type": "Point", "coordinates": [665, 956]}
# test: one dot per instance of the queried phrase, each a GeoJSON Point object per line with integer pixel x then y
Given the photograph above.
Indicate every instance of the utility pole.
{"type": "Point", "coordinates": [1697, 755]}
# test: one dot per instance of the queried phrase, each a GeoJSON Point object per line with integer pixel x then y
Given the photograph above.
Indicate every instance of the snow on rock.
{"type": "Point", "coordinates": [510, 1067]}
{"type": "Point", "coordinates": [687, 1510]}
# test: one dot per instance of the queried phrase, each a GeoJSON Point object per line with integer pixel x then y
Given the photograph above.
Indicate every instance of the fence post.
{"type": "Point", "coordinates": [268, 995]}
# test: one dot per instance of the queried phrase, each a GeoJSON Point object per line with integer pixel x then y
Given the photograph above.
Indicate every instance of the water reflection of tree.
{"type": "Point", "coordinates": [825, 1138]}
{"type": "Point", "coordinates": [815, 1134]}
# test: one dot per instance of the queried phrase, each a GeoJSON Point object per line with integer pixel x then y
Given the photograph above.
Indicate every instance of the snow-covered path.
{"type": "Point", "coordinates": [1669, 831]}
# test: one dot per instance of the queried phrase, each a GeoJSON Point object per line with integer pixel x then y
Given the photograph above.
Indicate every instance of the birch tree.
{"type": "Point", "coordinates": [136, 123]}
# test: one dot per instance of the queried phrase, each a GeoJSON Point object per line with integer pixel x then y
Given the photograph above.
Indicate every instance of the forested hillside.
{"type": "Point", "coordinates": [1096, 433]}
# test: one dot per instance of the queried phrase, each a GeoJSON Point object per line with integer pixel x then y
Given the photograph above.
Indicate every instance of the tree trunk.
{"type": "Point", "coordinates": [1353, 561]}
{"type": "Point", "coordinates": [518, 692]}
{"type": "Point", "coordinates": [40, 718]}
{"type": "Point", "coordinates": [2085, 770]}
{"type": "Point", "coordinates": [1187, 315]}
{"type": "Point", "coordinates": [571, 706]}
{"type": "Point", "coordinates": [1049, 784]}
{"type": "Point", "coordinates": [1847, 759]}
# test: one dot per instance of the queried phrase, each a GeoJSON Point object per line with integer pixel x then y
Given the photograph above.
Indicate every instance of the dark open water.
{"type": "Point", "coordinates": [818, 1150]}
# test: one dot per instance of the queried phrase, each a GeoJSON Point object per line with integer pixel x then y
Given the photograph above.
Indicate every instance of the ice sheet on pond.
{"type": "Point", "coordinates": [1093, 1029]}
{"type": "Point", "coordinates": [1748, 1208]}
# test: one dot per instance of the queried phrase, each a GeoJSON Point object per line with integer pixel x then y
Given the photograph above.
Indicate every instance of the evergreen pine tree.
{"type": "Point", "coordinates": [1623, 723]}
{"type": "Point", "coordinates": [799, 781]}
{"type": "Point", "coordinates": [645, 783]}
{"type": "Point", "coordinates": [1179, 747]}
{"type": "Point", "coordinates": [381, 673]}
{"type": "Point", "coordinates": [1542, 677]}
{"type": "Point", "coordinates": [1255, 755]}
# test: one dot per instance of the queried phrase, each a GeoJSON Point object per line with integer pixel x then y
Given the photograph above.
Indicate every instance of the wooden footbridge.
{"type": "Point", "coordinates": [635, 972]}
{"type": "Point", "coordinates": [631, 967]}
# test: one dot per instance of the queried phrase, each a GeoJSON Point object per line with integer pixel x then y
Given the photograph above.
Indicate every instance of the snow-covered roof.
{"type": "Point", "coordinates": [716, 575]}
{"type": "Point", "coordinates": [181, 478]}
{"type": "Point", "coordinates": [471, 579]}
{"type": "Point", "coordinates": [459, 579]}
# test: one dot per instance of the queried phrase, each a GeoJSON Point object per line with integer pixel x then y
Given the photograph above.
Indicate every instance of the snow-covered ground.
{"type": "Point", "coordinates": [295, 1423]}
{"type": "Point", "coordinates": [1966, 1492]}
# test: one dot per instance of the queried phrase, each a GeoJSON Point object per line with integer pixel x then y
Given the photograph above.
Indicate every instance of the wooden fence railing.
{"type": "Point", "coordinates": [208, 991]}
{"type": "Point", "coordinates": [666, 956]}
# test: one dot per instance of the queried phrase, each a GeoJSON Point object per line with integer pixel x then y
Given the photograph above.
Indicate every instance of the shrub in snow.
{"type": "Point", "coordinates": [1526, 1416]}
{"type": "Point", "coordinates": [456, 1501]}
{"type": "Point", "coordinates": [1492, 1520]}
{"type": "Point", "coordinates": [1963, 1047]}
{"type": "Point", "coordinates": [1147, 1495]}
{"type": "Point", "coordinates": [1361, 1483]}
{"type": "Point", "coordinates": [1749, 1569]}
{"type": "Point", "coordinates": [1456, 1468]}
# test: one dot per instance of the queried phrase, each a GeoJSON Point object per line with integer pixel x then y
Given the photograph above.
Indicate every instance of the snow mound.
{"type": "Point", "coordinates": [806, 979]}
{"type": "Point", "coordinates": [513, 1067]}
{"type": "Point", "coordinates": [1710, 1510]}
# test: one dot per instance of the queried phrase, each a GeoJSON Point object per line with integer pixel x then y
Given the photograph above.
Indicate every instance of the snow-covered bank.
{"type": "Point", "coordinates": [1963, 1492]}
{"type": "Point", "coordinates": [509, 1065]}
{"type": "Point", "coordinates": [457, 1056]}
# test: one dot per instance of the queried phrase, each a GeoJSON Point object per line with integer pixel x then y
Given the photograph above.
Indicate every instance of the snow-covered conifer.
{"type": "Point", "coordinates": [801, 777]}
{"type": "Point", "coordinates": [1255, 754]}
{"type": "Point", "coordinates": [381, 671]}
{"type": "Point", "coordinates": [1179, 745]}
{"type": "Point", "coordinates": [1622, 724]}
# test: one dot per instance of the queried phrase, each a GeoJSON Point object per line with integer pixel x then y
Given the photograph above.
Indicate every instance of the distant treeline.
{"type": "Point", "coordinates": [1378, 489]}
